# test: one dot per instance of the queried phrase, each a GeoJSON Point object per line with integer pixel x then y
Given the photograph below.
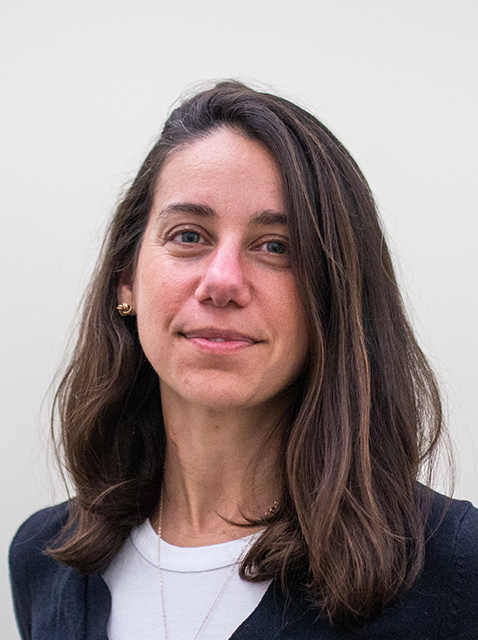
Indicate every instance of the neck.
{"type": "Point", "coordinates": [221, 468]}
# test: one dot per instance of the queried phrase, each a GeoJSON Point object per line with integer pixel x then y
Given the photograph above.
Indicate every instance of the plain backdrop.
{"type": "Point", "coordinates": [85, 88]}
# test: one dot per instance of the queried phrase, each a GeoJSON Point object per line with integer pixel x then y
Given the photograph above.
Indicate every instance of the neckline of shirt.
{"type": "Point", "coordinates": [188, 559]}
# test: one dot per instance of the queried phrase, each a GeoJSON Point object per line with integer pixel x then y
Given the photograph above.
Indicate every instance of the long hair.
{"type": "Point", "coordinates": [364, 418]}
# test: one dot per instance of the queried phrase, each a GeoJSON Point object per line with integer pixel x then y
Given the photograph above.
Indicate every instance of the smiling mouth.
{"type": "Point", "coordinates": [219, 341]}
{"type": "Point", "coordinates": [211, 334]}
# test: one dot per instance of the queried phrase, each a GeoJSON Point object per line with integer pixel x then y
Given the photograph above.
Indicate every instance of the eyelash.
{"type": "Point", "coordinates": [179, 232]}
{"type": "Point", "coordinates": [183, 232]}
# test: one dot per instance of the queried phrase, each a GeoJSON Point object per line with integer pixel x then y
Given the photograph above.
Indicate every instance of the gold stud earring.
{"type": "Point", "coordinates": [125, 309]}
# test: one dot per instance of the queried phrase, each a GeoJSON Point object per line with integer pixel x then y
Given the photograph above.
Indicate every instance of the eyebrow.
{"type": "Point", "coordinates": [200, 210]}
{"type": "Point", "coordinates": [267, 217]}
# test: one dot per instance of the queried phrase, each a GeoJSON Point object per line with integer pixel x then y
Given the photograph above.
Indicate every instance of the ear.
{"type": "Point", "coordinates": [125, 290]}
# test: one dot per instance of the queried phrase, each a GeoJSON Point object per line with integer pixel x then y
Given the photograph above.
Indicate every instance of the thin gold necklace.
{"type": "Point", "coordinates": [238, 560]}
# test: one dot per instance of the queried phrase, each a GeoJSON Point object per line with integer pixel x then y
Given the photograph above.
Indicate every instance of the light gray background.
{"type": "Point", "coordinates": [86, 85]}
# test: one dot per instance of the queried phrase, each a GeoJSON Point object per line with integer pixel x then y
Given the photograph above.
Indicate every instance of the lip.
{"type": "Point", "coordinates": [212, 333]}
{"type": "Point", "coordinates": [219, 340]}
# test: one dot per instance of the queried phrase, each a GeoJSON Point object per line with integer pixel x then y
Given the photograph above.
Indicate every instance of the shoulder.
{"type": "Point", "coordinates": [443, 601]}
{"type": "Point", "coordinates": [450, 573]}
{"type": "Point", "coordinates": [452, 528]}
{"type": "Point", "coordinates": [33, 575]}
{"type": "Point", "coordinates": [43, 524]}
{"type": "Point", "coordinates": [52, 600]}
{"type": "Point", "coordinates": [35, 535]}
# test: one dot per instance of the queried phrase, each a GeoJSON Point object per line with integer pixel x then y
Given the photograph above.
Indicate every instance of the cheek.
{"type": "Point", "coordinates": [159, 286]}
{"type": "Point", "coordinates": [155, 300]}
{"type": "Point", "coordinates": [288, 313]}
{"type": "Point", "coordinates": [299, 340]}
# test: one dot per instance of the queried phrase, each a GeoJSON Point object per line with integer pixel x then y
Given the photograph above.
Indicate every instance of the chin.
{"type": "Point", "coordinates": [224, 399]}
{"type": "Point", "coordinates": [217, 393]}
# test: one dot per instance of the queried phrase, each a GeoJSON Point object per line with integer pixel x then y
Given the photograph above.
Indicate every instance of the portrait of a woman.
{"type": "Point", "coordinates": [247, 414]}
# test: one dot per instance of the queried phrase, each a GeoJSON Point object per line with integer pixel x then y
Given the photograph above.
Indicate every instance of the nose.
{"type": "Point", "coordinates": [223, 281]}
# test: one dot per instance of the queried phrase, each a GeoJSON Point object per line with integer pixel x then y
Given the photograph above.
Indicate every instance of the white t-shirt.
{"type": "Point", "coordinates": [192, 579]}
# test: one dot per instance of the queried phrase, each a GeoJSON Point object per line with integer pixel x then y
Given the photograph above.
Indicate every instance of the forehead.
{"type": "Point", "coordinates": [222, 168]}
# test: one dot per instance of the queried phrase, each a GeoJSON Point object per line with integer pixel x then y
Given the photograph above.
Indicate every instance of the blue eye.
{"type": "Point", "coordinates": [276, 247]}
{"type": "Point", "coordinates": [190, 237]}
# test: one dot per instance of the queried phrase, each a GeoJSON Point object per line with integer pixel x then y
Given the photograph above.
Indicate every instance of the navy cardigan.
{"type": "Point", "coordinates": [54, 602]}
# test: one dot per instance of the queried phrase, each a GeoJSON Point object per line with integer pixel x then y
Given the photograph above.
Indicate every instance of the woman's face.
{"type": "Point", "coordinates": [218, 313]}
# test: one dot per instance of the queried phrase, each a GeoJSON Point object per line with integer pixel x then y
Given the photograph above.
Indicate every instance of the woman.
{"type": "Point", "coordinates": [246, 390]}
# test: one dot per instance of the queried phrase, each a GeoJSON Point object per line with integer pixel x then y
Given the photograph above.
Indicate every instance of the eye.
{"type": "Point", "coordinates": [274, 251]}
{"type": "Point", "coordinates": [274, 246]}
{"type": "Point", "coordinates": [189, 237]}
{"type": "Point", "coordinates": [182, 237]}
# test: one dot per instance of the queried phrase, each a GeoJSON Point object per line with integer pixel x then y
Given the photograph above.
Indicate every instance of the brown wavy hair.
{"type": "Point", "coordinates": [365, 415]}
